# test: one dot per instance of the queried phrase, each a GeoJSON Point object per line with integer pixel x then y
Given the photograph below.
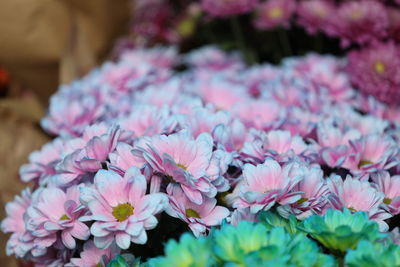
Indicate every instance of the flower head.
{"type": "Point", "coordinates": [274, 13]}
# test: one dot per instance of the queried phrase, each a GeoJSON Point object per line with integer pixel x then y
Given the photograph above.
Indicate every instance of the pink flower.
{"type": "Point", "coordinates": [274, 13]}
{"type": "Point", "coordinates": [314, 15]}
{"type": "Point", "coordinates": [358, 196]}
{"type": "Point", "coordinates": [123, 158]}
{"type": "Point", "coordinates": [376, 71]}
{"type": "Point", "coordinates": [183, 160]}
{"type": "Point", "coordinates": [371, 153]}
{"type": "Point", "coordinates": [314, 199]}
{"type": "Point", "coordinates": [360, 21]}
{"type": "Point", "coordinates": [93, 256]}
{"type": "Point", "coordinates": [210, 58]}
{"type": "Point", "coordinates": [267, 184]}
{"type": "Point", "coordinates": [239, 215]}
{"type": "Point", "coordinates": [87, 160]}
{"type": "Point", "coordinates": [42, 163]}
{"type": "Point", "coordinates": [20, 242]}
{"type": "Point", "coordinates": [226, 8]}
{"type": "Point", "coordinates": [120, 208]}
{"type": "Point", "coordinates": [149, 120]}
{"type": "Point", "coordinates": [57, 212]}
{"type": "Point", "coordinates": [390, 186]}
{"type": "Point", "coordinates": [277, 144]}
{"type": "Point", "coordinates": [200, 218]}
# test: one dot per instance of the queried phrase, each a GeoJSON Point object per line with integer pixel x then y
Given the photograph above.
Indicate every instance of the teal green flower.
{"type": "Point", "coordinates": [271, 219]}
{"type": "Point", "coordinates": [231, 243]}
{"type": "Point", "coordinates": [126, 260]}
{"type": "Point", "coordinates": [370, 254]}
{"type": "Point", "coordinates": [340, 231]}
{"type": "Point", "coordinates": [189, 252]}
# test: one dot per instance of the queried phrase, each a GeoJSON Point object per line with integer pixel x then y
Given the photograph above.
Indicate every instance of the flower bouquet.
{"type": "Point", "coordinates": [207, 158]}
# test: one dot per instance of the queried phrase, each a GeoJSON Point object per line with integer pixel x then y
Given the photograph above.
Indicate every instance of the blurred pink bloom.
{"type": "Point", "coordinates": [57, 213]}
{"type": "Point", "coordinates": [226, 8]}
{"type": "Point", "coordinates": [360, 21]}
{"type": "Point", "coordinates": [376, 71]}
{"type": "Point", "coordinates": [314, 15]}
{"type": "Point", "coordinates": [267, 184]}
{"type": "Point", "coordinates": [199, 217]}
{"type": "Point", "coordinates": [120, 208]}
{"type": "Point", "coordinates": [274, 13]}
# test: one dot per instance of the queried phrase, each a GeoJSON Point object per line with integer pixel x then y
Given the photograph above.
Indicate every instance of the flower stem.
{"type": "Point", "coordinates": [285, 43]}
{"type": "Point", "coordinates": [238, 34]}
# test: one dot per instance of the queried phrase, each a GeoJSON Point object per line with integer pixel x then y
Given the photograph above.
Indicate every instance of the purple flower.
{"type": "Point", "coordinates": [226, 8]}
{"type": "Point", "coordinates": [274, 13]}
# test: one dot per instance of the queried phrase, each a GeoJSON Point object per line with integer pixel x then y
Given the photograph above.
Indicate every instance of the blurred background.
{"type": "Point", "coordinates": [43, 44]}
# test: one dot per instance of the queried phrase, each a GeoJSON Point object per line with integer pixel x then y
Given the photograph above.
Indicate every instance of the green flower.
{"type": "Point", "coordinates": [375, 254]}
{"type": "Point", "coordinates": [231, 243]}
{"type": "Point", "coordinates": [340, 231]}
{"type": "Point", "coordinates": [189, 252]}
{"type": "Point", "coordinates": [125, 260]}
{"type": "Point", "coordinates": [271, 219]}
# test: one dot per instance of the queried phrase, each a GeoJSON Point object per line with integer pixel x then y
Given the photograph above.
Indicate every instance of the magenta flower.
{"type": "Point", "coordinates": [183, 160]}
{"type": "Point", "coordinates": [376, 71]}
{"type": "Point", "coordinates": [314, 199]}
{"type": "Point", "coordinates": [57, 212]}
{"type": "Point", "coordinates": [274, 13]}
{"type": "Point", "coordinates": [93, 256]}
{"type": "Point", "coordinates": [120, 208]}
{"type": "Point", "coordinates": [360, 21]}
{"type": "Point", "coordinates": [358, 196]}
{"type": "Point", "coordinates": [20, 242]}
{"type": "Point", "coordinates": [266, 184]}
{"type": "Point", "coordinates": [200, 218]}
{"type": "Point", "coordinates": [227, 8]}
{"type": "Point", "coordinates": [314, 15]}
{"type": "Point", "coordinates": [390, 186]}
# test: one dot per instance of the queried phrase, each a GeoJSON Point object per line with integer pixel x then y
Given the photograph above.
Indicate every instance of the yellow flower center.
{"type": "Point", "coordinates": [364, 162]}
{"type": "Point", "coordinates": [379, 67]}
{"type": "Point", "coordinates": [98, 265]}
{"type": "Point", "coordinates": [387, 201]}
{"type": "Point", "coordinates": [275, 13]}
{"type": "Point", "coordinates": [352, 209]}
{"type": "Point", "coordinates": [302, 200]}
{"type": "Point", "coordinates": [192, 213]}
{"type": "Point", "coordinates": [122, 211]}
{"type": "Point", "coordinates": [181, 166]}
{"type": "Point", "coordinates": [356, 14]}
{"type": "Point", "coordinates": [64, 217]}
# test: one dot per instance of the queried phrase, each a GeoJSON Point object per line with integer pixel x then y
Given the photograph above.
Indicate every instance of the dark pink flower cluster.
{"type": "Point", "coordinates": [219, 140]}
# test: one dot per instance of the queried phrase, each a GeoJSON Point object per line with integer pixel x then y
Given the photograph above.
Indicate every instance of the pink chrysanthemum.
{"type": "Point", "coordinates": [57, 212]}
{"type": "Point", "coordinates": [183, 160]}
{"type": "Point", "coordinates": [120, 208]}
{"type": "Point", "coordinates": [93, 256]}
{"type": "Point", "coordinates": [20, 242]}
{"type": "Point", "coordinates": [390, 186]}
{"type": "Point", "coordinates": [314, 15]}
{"type": "Point", "coordinates": [376, 71]}
{"type": "Point", "coordinates": [274, 13]}
{"type": "Point", "coordinates": [226, 8]}
{"type": "Point", "coordinates": [360, 21]}
{"type": "Point", "coordinates": [199, 217]}
{"type": "Point", "coordinates": [277, 144]}
{"type": "Point", "coordinates": [358, 196]}
{"type": "Point", "coordinates": [314, 199]}
{"type": "Point", "coordinates": [266, 184]}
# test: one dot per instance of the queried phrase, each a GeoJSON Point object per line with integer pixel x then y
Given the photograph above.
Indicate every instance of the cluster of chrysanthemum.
{"type": "Point", "coordinates": [371, 25]}
{"type": "Point", "coordinates": [214, 141]}
{"type": "Point", "coordinates": [347, 240]}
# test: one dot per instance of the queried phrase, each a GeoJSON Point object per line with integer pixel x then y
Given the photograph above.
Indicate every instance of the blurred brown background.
{"type": "Point", "coordinates": [42, 44]}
